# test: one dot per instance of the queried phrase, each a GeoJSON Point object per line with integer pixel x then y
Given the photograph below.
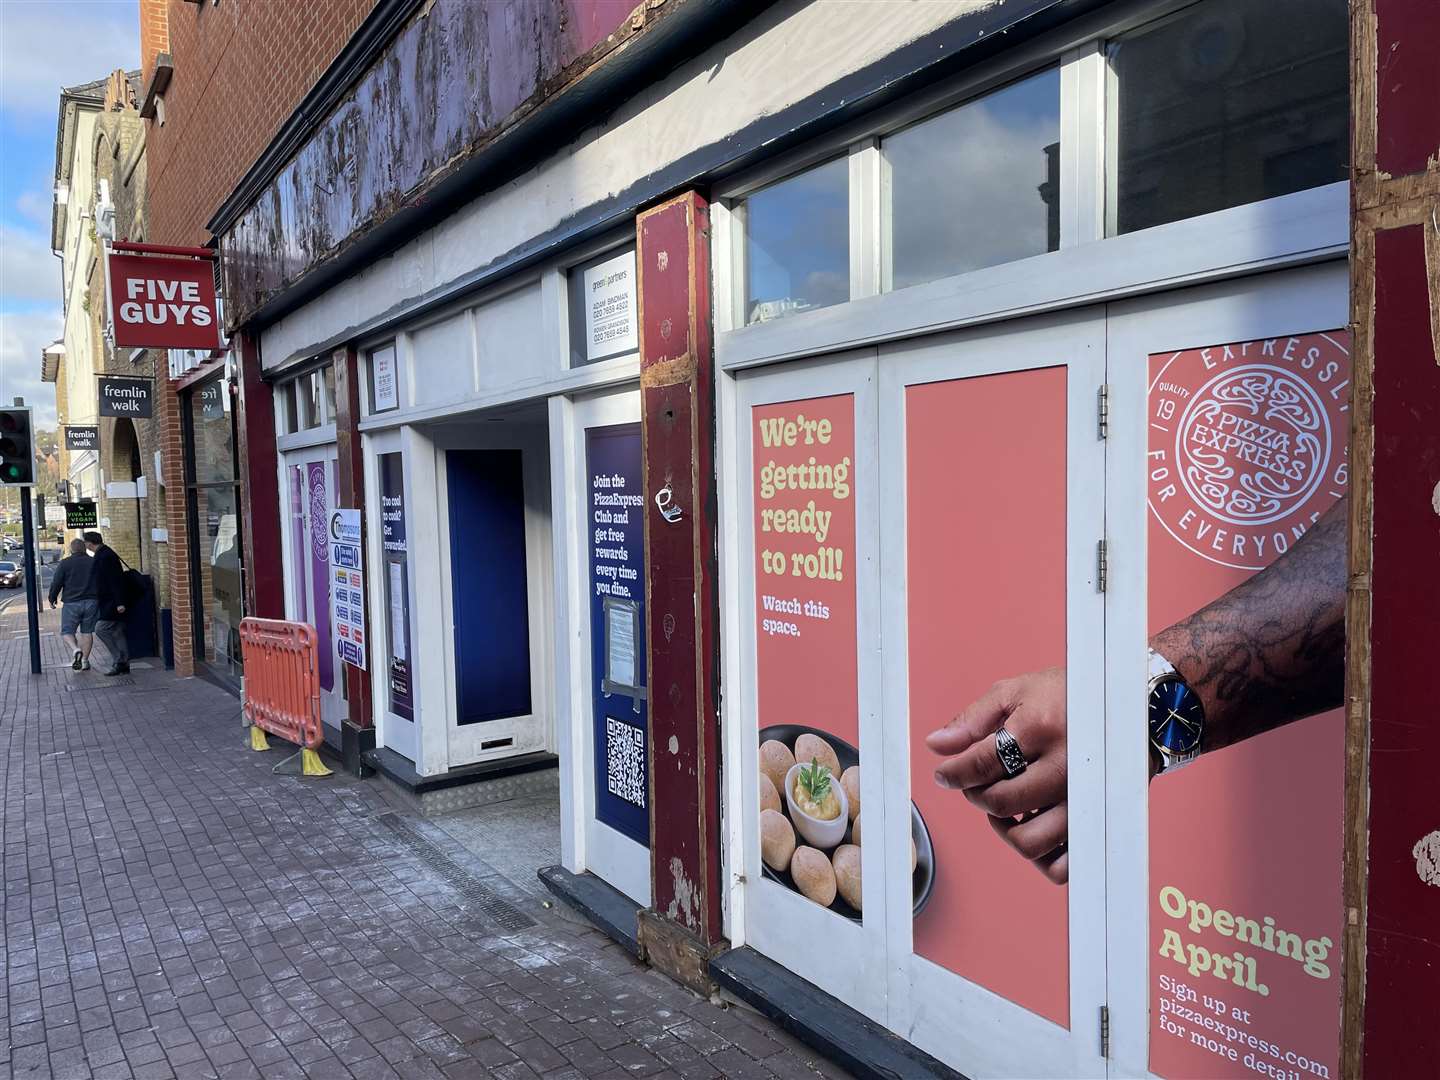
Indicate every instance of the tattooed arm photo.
{"type": "Point", "coordinates": [1272, 649]}
{"type": "Point", "coordinates": [1267, 653]}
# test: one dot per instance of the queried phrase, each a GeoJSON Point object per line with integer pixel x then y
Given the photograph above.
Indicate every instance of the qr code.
{"type": "Point", "coordinates": [625, 756]}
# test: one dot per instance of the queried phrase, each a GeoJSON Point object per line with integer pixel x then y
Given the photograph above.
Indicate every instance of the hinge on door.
{"type": "Point", "coordinates": [1102, 566]}
{"type": "Point", "coordinates": [1102, 408]}
{"type": "Point", "coordinates": [1104, 1031]}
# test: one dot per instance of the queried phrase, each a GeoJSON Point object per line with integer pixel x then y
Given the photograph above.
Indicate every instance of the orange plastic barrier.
{"type": "Point", "coordinates": [282, 686]}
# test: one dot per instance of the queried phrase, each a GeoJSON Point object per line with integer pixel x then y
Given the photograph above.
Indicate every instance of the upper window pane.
{"type": "Point", "coordinates": [978, 185]}
{"type": "Point", "coordinates": [292, 415]}
{"type": "Point", "coordinates": [1229, 102]}
{"type": "Point", "coordinates": [308, 388]}
{"type": "Point", "coordinates": [797, 243]}
{"type": "Point", "coordinates": [213, 434]}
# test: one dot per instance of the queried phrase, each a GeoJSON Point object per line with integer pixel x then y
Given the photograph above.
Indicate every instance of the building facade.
{"type": "Point", "coordinates": [735, 395]}
{"type": "Point", "coordinates": [109, 458]}
{"type": "Point", "coordinates": [207, 117]}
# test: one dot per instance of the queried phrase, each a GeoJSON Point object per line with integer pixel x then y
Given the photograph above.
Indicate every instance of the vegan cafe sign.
{"type": "Point", "coordinates": [162, 303]}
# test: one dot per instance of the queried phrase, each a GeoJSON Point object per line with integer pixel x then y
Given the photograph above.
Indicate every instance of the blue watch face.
{"type": "Point", "coordinates": [1177, 718]}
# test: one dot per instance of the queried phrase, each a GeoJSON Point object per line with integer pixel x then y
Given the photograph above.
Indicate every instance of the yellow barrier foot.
{"type": "Point", "coordinates": [257, 739]}
{"type": "Point", "coordinates": [302, 763]}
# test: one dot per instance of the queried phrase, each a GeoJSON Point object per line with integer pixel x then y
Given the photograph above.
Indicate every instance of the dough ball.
{"type": "Point", "coordinates": [775, 762]}
{"type": "Point", "coordinates": [813, 874]}
{"type": "Point", "coordinates": [846, 861]}
{"type": "Point", "coordinates": [850, 781]}
{"type": "Point", "coordinates": [809, 747]}
{"type": "Point", "coordinates": [769, 796]}
{"type": "Point", "coordinates": [914, 855]}
{"type": "Point", "coordinates": [855, 831]}
{"type": "Point", "coordinates": [777, 839]}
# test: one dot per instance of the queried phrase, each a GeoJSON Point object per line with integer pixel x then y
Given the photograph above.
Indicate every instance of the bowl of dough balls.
{"type": "Point", "coordinates": [811, 826]}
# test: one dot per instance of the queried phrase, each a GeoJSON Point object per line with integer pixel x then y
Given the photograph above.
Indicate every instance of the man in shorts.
{"type": "Point", "coordinates": [74, 583]}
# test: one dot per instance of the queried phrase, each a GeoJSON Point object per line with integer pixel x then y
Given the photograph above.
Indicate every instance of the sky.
{"type": "Point", "coordinates": [44, 45]}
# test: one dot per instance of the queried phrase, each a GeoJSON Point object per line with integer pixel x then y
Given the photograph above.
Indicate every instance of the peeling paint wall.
{"type": "Point", "coordinates": [456, 77]}
{"type": "Point", "coordinates": [790, 53]}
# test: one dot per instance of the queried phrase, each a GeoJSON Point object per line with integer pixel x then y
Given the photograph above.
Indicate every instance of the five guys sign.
{"type": "Point", "coordinates": [162, 303]}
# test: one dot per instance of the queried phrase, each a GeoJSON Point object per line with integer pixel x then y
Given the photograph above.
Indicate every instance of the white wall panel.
{"type": "Point", "coordinates": [444, 358]}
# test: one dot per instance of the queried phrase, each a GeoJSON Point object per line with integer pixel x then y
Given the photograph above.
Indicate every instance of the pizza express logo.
{"type": "Point", "coordinates": [1248, 444]}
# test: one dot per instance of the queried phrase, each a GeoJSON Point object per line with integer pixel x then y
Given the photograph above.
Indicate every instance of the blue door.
{"type": "Point", "coordinates": [488, 582]}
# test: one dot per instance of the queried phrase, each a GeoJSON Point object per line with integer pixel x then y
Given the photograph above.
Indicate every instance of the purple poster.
{"type": "Point", "coordinates": [320, 572]}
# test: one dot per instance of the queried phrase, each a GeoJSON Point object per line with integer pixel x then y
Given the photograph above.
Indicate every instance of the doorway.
{"type": "Point", "coordinates": [309, 486]}
{"type": "Point", "coordinates": [1031, 506]}
{"type": "Point", "coordinates": [489, 595]}
{"type": "Point", "coordinates": [492, 484]}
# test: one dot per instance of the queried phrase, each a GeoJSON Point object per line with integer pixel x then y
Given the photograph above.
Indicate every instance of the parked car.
{"type": "Point", "coordinates": [12, 575]}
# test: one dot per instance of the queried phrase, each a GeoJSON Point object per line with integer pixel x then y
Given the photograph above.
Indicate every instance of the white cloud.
{"type": "Point", "coordinates": [44, 46]}
{"type": "Point", "coordinates": [22, 336]}
{"type": "Point", "coordinates": [967, 192]}
{"type": "Point", "coordinates": [28, 271]}
{"type": "Point", "coordinates": [36, 206]}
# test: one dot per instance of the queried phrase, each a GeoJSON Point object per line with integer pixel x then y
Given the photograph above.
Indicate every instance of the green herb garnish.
{"type": "Point", "coordinates": [814, 779]}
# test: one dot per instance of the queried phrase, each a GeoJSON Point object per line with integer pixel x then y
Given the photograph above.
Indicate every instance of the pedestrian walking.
{"type": "Point", "coordinates": [73, 584]}
{"type": "Point", "coordinates": [110, 599]}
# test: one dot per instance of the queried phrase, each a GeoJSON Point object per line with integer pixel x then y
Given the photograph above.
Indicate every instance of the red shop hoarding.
{"type": "Point", "coordinates": [162, 303]}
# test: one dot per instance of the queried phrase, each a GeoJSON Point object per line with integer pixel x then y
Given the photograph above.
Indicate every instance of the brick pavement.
{"type": "Point", "coordinates": [172, 909]}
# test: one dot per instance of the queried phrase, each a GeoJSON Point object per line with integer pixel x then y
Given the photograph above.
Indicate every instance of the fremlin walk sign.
{"type": "Point", "coordinates": [122, 396]}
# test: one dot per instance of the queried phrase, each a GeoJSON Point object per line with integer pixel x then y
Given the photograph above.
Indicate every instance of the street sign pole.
{"type": "Point", "coordinates": [32, 585]}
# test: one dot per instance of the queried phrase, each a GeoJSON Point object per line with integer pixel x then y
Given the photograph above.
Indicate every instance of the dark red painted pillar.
{"type": "Point", "coordinates": [357, 734]}
{"type": "Point", "coordinates": [678, 420]}
{"type": "Point", "coordinates": [1393, 861]}
{"type": "Point", "coordinates": [259, 478]}
{"type": "Point", "coordinates": [1402, 1000]}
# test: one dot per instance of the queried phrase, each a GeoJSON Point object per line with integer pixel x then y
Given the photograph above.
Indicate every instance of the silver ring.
{"type": "Point", "coordinates": [1008, 751]}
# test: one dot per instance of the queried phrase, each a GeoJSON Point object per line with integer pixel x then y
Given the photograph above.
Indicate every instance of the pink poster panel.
{"type": "Point", "coordinates": [807, 673]}
{"type": "Point", "coordinates": [1247, 482]}
{"type": "Point", "coordinates": [985, 497]}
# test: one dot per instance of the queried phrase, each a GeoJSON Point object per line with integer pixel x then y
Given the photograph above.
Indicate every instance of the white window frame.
{"type": "Point", "coordinates": [586, 843]}
{"type": "Point", "coordinates": [1090, 267]}
{"type": "Point", "coordinates": [307, 434]}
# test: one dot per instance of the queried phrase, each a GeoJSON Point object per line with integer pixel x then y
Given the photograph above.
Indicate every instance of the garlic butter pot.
{"type": "Point", "coordinates": [817, 832]}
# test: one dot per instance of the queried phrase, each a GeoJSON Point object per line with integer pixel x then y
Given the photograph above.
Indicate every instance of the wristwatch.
{"type": "Point", "coordinates": [1177, 717]}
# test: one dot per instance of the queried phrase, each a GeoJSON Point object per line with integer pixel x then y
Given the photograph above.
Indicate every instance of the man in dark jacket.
{"type": "Point", "coordinates": [110, 602]}
{"type": "Point", "coordinates": [74, 581]}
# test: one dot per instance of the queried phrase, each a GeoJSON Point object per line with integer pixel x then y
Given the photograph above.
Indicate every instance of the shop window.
{"type": "Point", "coordinates": [213, 514]}
{"type": "Point", "coordinates": [977, 185]}
{"type": "Point", "coordinates": [309, 400]}
{"type": "Point", "coordinates": [214, 434]}
{"type": "Point", "coordinates": [1229, 102]}
{"type": "Point", "coordinates": [288, 402]}
{"type": "Point", "coordinates": [797, 243]}
{"type": "Point", "coordinates": [310, 392]}
{"type": "Point", "coordinates": [327, 381]}
{"type": "Point", "coordinates": [601, 295]}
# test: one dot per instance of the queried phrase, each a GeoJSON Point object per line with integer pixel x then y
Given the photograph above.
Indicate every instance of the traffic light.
{"type": "Point", "coordinates": [17, 447]}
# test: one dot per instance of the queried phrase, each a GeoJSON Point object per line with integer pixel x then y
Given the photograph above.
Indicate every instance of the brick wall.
{"type": "Point", "coordinates": [240, 70]}
{"type": "Point", "coordinates": [167, 424]}
{"type": "Point", "coordinates": [119, 160]}
{"type": "Point", "coordinates": [154, 35]}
